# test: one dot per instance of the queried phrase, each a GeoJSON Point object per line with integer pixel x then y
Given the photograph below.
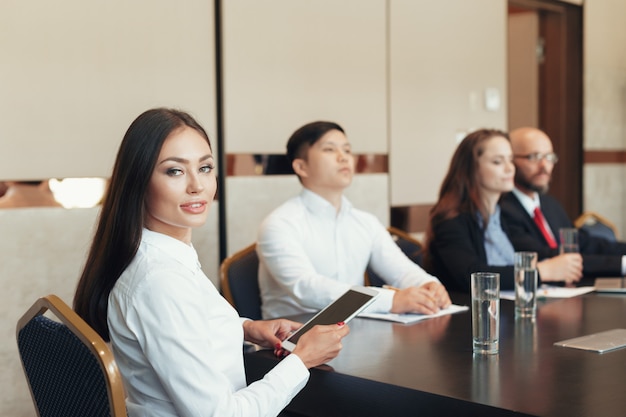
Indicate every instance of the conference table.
{"type": "Point", "coordinates": [428, 368]}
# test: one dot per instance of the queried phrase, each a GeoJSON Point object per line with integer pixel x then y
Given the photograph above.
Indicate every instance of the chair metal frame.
{"type": "Point", "coordinates": [92, 340]}
{"type": "Point", "coordinates": [401, 234]}
{"type": "Point", "coordinates": [584, 218]}
{"type": "Point", "coordinates": [225, 282]}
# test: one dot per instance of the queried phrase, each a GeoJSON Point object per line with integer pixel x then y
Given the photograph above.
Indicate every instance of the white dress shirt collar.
{"type": "Point", "coordinates": [318, 205]}
{"type": "Point", "coordinates": [529, 203]}
{"type": "Point", "coordinates": [180, 251]}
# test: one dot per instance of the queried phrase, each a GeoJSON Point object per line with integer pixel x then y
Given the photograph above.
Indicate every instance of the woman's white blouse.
{"type": "Point", "coordinates": [178, 342]}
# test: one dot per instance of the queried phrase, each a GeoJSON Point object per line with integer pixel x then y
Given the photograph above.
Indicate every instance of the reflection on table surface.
{"type": "Point", "coordinates": [529, 376]}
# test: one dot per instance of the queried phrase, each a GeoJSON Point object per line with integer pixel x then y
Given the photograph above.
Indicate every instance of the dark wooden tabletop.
{"type": "Point", "coordinates": [427, 368]}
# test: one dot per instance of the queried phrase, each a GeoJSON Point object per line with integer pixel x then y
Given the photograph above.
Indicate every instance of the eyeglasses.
{"type": "Point", "coordinates": [537, 157]}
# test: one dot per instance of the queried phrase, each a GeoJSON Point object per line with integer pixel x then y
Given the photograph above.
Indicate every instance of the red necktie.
{"type": "Point", "coordinates": [539, 220]}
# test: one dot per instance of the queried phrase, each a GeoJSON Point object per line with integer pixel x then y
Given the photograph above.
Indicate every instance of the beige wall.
{"type": "Point", "coordinates": [74, 74]}
{"type": "Point", "coordinates": [605, 75]}
{"type": "Point", "coordinates": [290, 62]}
{"type": "Point", "coordinates": [605, 107]}
{"type": "Point", "coordinates": [523, 74]}
{"type": "Point", "coordinates": [42, 252]}
{"type": "Point", "coordinates": [443, 56]}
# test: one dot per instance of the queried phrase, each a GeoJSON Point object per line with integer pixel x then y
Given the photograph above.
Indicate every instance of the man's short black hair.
{"type": "Point", "coordinates": [303, 138]}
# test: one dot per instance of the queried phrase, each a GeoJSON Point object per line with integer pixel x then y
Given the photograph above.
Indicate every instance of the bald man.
{"type": "Point", "coordinates": [27, 194]}
{"type": "Point", "coordinates": [534, 160]}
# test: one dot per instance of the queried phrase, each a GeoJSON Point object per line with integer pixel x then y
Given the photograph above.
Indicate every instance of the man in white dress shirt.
{"type": "Point", "coordinates": [317, 245]}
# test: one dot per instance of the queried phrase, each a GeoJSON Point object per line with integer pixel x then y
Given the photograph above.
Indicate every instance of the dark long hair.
{"type": "Point", "coordinates": [121, 219]}
{"type": "Point", "coordinates": [459, 189]}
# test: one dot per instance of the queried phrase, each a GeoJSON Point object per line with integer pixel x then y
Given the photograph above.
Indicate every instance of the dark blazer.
{"type": "Point", "coordinates": [601, 258]}
{"type": "Point", "coordinates": [457, 249]}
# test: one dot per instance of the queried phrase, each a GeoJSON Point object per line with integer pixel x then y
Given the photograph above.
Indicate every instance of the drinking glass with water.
{"type": "Point", "coordinates": [485, 291]}
{"type": "Point", "coordinates": [525, 267]}
{"type": "Point", "coordinates": [569, 240]}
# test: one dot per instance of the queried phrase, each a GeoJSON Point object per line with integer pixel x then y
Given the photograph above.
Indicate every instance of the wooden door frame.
{"type": "Point", "coordinates": [561, 94]}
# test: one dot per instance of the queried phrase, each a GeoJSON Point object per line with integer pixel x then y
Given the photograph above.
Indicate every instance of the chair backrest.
{"type": "Point", "coordinates": [597, 225]}
{"type": "Point", "coordinates": [411, 247]}
{"type": "Point", "coordinates": [70, 369]}
{"type": "Point", "coordinates": [240, 284]}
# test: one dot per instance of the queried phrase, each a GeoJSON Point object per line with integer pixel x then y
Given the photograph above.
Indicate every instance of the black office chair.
{"type": "Point", "coordinates": [411, 247]}
{"type": "Point", "coordinates": [596, 225]}
{"type": "Point", "coordinates": [70, 369]}
{"type": "Point", "coordinates": [240, 284]}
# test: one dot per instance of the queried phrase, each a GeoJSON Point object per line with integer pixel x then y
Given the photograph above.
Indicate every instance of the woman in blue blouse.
{"type": "Point", "coordinates": [465, 234]}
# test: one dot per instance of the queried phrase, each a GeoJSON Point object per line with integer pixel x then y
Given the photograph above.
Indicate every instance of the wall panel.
{"type": "Point", "coordinates": [605, 109]}
{"type": "Point", "coordinates": [443, 57]}
{"type": "Point", "coordinates": [289, 62]}
{"type": "Point", "coordinates": [74, 74]}
{"type": "Point", "coordinates": [604, 194]}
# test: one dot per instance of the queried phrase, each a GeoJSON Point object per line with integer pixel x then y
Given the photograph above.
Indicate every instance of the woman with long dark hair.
{"type": "Point", "coordinates": [465, 234]}
{"type": "Point", "coordinates": [177, 342]}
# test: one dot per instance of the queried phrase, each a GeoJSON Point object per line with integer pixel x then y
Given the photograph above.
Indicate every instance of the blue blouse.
{"type": "Point", "coordinates": [498, 247]}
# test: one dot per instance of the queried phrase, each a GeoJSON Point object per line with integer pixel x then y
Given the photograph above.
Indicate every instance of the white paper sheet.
{"type": "Point", "coordinates": [412, 318]}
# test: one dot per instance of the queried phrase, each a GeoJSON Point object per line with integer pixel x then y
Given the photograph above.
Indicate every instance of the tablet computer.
{"type": "Point", "coordinates": [598, 342]}
{"type": "Point", "coordinates": [344, 308]}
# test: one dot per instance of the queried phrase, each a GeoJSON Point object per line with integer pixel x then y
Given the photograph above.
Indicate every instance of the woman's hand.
{"type": "Point", "coordinates": [320, 344]}
{"type": "Point", "coordinates": [268, 333]}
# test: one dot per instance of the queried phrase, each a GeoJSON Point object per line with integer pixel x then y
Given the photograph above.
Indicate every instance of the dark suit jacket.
{"type": "Point", "coordinates": [601, 258]}
{"type": "Point", "coordinates": [457, 249]}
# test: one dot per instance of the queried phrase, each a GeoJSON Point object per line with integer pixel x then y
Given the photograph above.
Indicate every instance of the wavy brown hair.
{"type": "Point", "coordinates": [459, 189]}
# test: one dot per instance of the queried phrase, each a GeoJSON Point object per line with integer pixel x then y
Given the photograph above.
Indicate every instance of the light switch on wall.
{"type": "Point", "coordinates": [492, 99]}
